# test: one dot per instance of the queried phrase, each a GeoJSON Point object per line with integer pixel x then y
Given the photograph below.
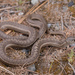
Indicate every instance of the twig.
{"type": "Point", "coordinates": [4, 69]}
{"type": "Point", "coordinates": [62, 70]}
{"type": "Point", "coordinates": [61, 65]}
{"type": "Point", "coordinates": [31, 71]}
{"type": "Point", "coordinates": [50, 67]}
{"type": "Point", "coordinates": [31, 11]}
{"type": "Point", "coordinates": [71, 67]}
{"type": "Point", "coordinates": [20, 21]}
{"type": "Point", "coordinates": [48, 6]}
{"type": "Point", "coordinates": [62, 22]}
{"type": "Point", "coordinates": [8, 8]}
{"type": "Point", "coordinates": [70, 22]}
{"type": "Point", "coordinates": [39, 6]}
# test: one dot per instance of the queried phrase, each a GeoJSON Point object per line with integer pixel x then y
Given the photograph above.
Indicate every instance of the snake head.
{"type": "Point", "coordinates": [70, 40]}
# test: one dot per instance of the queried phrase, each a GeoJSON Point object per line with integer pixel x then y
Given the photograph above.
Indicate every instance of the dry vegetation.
{"type": "Point", "coordinates": [52, 61]}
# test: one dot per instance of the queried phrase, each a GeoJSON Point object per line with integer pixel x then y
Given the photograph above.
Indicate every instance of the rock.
{"type": "Point", "coordinates": [49, 25]}
{"type": "Point", "coordinates": [70, 4]}
{"type": "Point", "coordinates": [20, 13]}
{"type": "Point", "coordinates": [32, 67]}
{"type": "Point", "coordinates": [36, 1]}
{"type": "Point", "coordinates": [26, 51]}
{"type": "Point", "coordinates": [21, 35]}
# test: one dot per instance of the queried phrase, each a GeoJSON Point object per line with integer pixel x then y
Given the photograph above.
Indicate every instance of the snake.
{"type": "Point", "coordinates": [35, 52]}
{"type": "Point", "coordinates": [33, 35]}
{"type": "Point", "coordinates": [34, 20]}
{"type": "Point", "coordinates": [17, 27]}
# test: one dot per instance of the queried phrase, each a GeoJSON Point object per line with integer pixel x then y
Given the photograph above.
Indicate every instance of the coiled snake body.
{"type": "Point", "coordinates": [34, 52]}
{"type": "Point", "coordinates": [21, 40]}
{"type": "Point", "coordinates": [34, 20]}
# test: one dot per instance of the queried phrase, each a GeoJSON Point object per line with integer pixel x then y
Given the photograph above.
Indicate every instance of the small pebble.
{"type": "Point", "coordinates": [21, 13]}
{"type": "Point", "coordinates": [36, 1]}
{"type": "Point", "coordinates": [26, 51]}
{"type": "Point", "coordinates": [32, 67]}
{"type": "Point", "coordinates": [49, 65]}
{"type": "Point", "coordinates": [21, 35]}
{"type": "Point", "coordinates": [38, 64]}
{"type": "Point", "coordinates": [49, 25]}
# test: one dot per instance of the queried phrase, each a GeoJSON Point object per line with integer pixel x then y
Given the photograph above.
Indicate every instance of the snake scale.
{"type": "Point", "coordinates": [35, 21]}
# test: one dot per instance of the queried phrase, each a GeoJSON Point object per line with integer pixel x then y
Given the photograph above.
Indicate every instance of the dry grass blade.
{"type": "Point", "coordinates": [8, 8]}
{"type": "Point", "coordinates": [4, 69]}
{"type": "Point", "coordinates": [48, 6]}
{"type": "Point", "coordinates": [62, 22]}
{"type": "Point", "coordinates": [31, 71]}
{"type": "Point", "coordinates": [71, 67]}
{"type": "Point", "coordinates": [8, 32]}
